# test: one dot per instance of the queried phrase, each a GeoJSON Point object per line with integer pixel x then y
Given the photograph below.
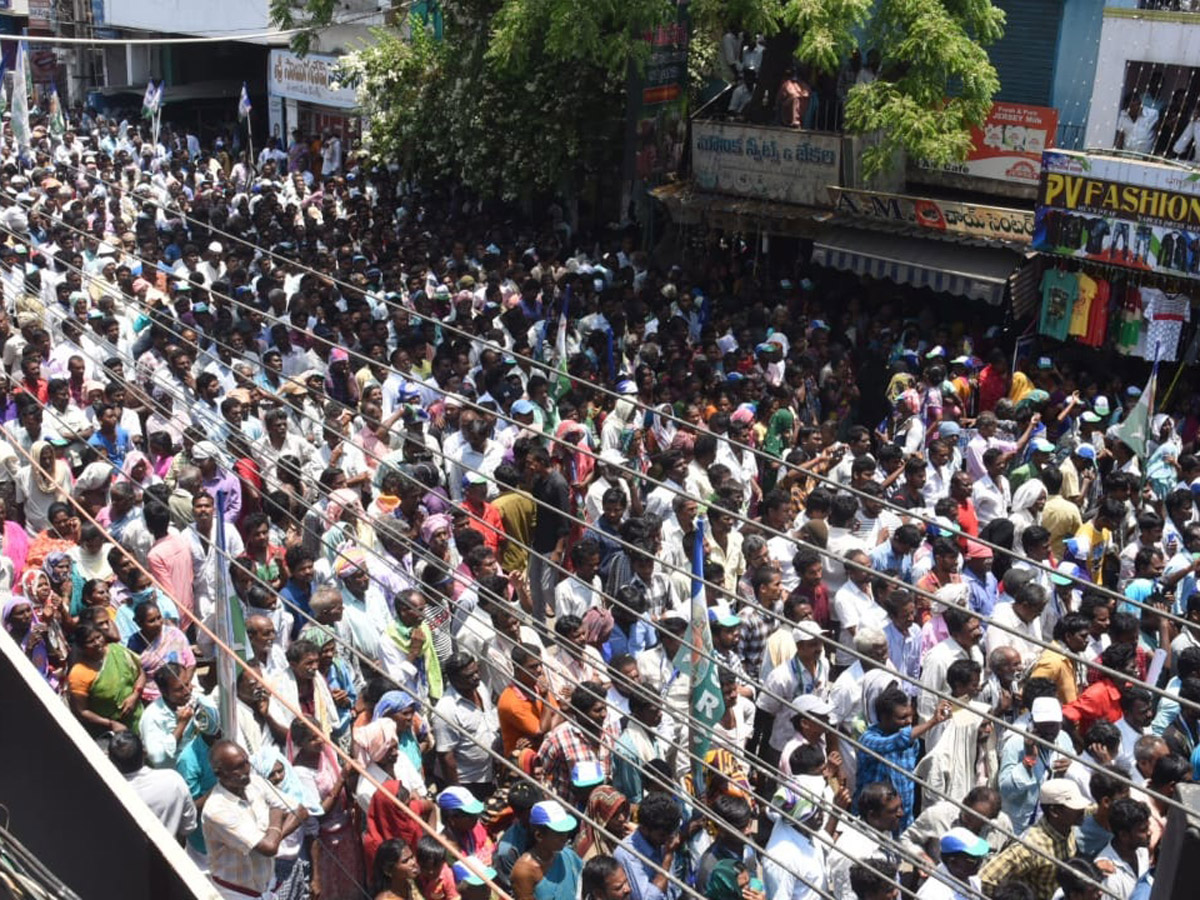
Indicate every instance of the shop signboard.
{"type": "Point", "coordinates": [780, 164]}
{"type": "Point", "coordinates": [41, 15]}
{"type": "Point", "coordinates": [1008, 146]}
{"type": "Point", "coordinates": [311, 79]}
{"type": "Point", "coordinates": [1118, 211]}
{"type": "Point", "coordinates": [994, 223]}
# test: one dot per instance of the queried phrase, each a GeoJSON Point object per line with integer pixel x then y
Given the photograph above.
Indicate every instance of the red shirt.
{"type": "Point", "coordinates": [1100, 702]}
{"type": "Point", "coordinates": [992, 386]}
{"type": "Point", "coordinates": [39, 389]}
{"type": "Point", "coordinates": [967, 521]}
{"type": "Point", "coordinates": [819, 598]}
{"type": "Point", "coordinates": [492, 526]}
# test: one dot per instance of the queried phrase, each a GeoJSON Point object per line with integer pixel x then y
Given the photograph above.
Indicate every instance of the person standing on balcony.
{"type": "Point", "coordinates": [1137, 126]}
{"type": "Point", "coordinates": [794, 98]}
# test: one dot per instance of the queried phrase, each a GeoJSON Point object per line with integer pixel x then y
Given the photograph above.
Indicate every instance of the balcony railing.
{"type": "Point", "coordinates": [1191, 6]}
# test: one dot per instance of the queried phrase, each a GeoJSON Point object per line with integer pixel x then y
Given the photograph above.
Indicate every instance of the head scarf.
{"type": "Point", "coordinates": [29, 582]}
{"type": "Point", "coordinates": [340, 501]}
{"type": "Point", "coordinates": [723, 881]}
{"type": "Point", "coordinates": [1027, 495]}
{"type": "Point", "coordinates": [662, 428]}
{"type": "Point", "coordinates": [874, 683]}
{"type": "Point", "coordinates": [900, 383]}
{"type": "Point", "coordinates": [95, 475]}
{"type": "Point", "coordinates": [349, 560]}
{"type": "Point", "coordinates": [317, 634]}
{"type": "Point", "coordinates": [604, 803]}
{"type": "Point", "coordinates": [1021, 386]}
{"type": "Point", "coordinates": [394, 701]}
{"type": "Point", "coordinates": [597, 625]}
{"type": "Point", "coordinates": [44, 483]}
{"type": "Point", "coordinates": [53, 559]}
{"type": "Point", "coordinates": [526, 760]}
{"type": "Point", "coordinates": [291, 787]}
{"type": "Point", "coordinates": [802, 797]}
{"type": "Point", "coordinates": [432, 525]}
{"type": "Point", "coordinates": [581, 461]}
{"type": "Point", "coordinates": [11, 604]}
{"type": "Point", "coordinates": [372, 742]}
{"type": "Point", "coordinates": [1032, 399]}
{"type": "Point", "coordinates": [131, 460]}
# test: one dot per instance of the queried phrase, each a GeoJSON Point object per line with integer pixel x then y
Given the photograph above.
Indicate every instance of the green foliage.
{"type": "Point", "coordinates": [528, 95]}
{"type": "Point", "coordinates": [926, 46]}
{"type": "Point", "coordinates": [445, 109]}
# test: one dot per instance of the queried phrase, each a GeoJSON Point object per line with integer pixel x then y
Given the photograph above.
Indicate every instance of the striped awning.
{"type": "Point", "coordinates": [978, 273]}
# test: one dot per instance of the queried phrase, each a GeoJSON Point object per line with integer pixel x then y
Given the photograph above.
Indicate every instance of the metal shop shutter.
{"type": "Point", "coordinates": [1025, 56]}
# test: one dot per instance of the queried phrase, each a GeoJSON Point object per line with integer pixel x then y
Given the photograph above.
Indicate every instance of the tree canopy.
{"type": "Point", "coordinates": [523, 97]}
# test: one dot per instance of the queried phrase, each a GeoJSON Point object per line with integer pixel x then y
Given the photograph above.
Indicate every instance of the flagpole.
{"type": "Point", "coordinates": [1167, 395]}
{"type": "Point", "coordinates": [226, 668]}
{"type": "Point", "coordinates": [250, 141]}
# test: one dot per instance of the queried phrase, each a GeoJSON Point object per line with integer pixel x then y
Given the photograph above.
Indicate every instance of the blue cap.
{"type": "Point", "coordinates": [587, 773]}
{"type": "Point", "coordinates": [961, 840]}
{"type": "Point", "coordinates": [551, 814]}
{"type": "Point", "coordinates": [1133, 391]}
{"type": "Point", "coordinates": [455, 798]}
{"type": "Point", "coordinates": [522, 407]}
{"type": "Point", "coordinates": [723, 617]}
{"type": "Point", "coordinates": [471, 870]}
{"type": "Point", "coordinates": [949, 429]}
{"type": "Point", "coordinates": [1086, 451]}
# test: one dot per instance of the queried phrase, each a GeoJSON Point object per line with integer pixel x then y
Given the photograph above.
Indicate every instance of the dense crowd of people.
{"type": "Point", "coordinates": [471, 496]}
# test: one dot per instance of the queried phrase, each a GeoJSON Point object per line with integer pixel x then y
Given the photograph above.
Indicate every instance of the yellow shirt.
{"type": "Point", "coordinates": [1083, 305]}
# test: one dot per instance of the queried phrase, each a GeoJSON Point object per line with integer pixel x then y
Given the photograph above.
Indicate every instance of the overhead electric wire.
{"type": "Point", "coordinates": [790, 704]}
{"type": "Point", "coordinates": [380, 297]}
{"type": "Point", "coordinates": [761, 526]}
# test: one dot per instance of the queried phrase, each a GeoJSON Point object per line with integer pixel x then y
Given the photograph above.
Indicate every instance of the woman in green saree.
{"type": "Point", "coordinates": [105, 683]}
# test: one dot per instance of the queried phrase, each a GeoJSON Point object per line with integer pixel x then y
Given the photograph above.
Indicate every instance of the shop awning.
{"type": "Point", "coordinates": [978, 273]}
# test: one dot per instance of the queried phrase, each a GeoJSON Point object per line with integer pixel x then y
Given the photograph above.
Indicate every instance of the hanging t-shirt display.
{"type": "Point", "coordinates": [1059, 290]}
{"type": "Point", "coordinates": [1097, 328]}
{"type": "Point", "coordinates": [1083, 306]}
{"type": "Point", "coordinates": [1129, 323]}
{"type": "Point", "coordinates": [1165, 315]}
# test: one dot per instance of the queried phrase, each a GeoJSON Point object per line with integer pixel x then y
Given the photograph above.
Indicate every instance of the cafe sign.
{"type": "Point", "coordinates": [992, 223]}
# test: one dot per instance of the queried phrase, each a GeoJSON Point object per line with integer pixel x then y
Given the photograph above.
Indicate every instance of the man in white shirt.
{"type": "Point", "coordinates": [793, 866]}
{"type": "Point", "coordinates": [1137, 126]}
{"type": "Point", "coordinates": [990, 493]}
{"type": "Point", "coordinates": [854, 606]}
{"type": "Point", "coordinates": [868, 837]}
{"type": "Point", "coordinates": [1019, 624]}
{"type": "Point", "coordinates": [1137, 712]}
{"type": "Point", "coordinates": [1127, 853]}
{"type": "Point", "coordinates": [163, 790]}
{"type": "Point", "coordinates": [963, 852]}
{"type": "Point", "coordinates": [244, 822]}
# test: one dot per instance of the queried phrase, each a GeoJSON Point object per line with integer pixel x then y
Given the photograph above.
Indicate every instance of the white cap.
{"type": "Point", "coordinates": [215, 247]}
{"type": "Point", "coordinates": [807, 630]}
{"type": "Point", "coordinates": [813, 705]}
{"type": "Point", "coordinates": [1046, 709]}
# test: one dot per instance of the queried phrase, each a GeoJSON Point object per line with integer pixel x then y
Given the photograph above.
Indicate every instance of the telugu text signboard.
{"type": "Point", "coordinates": [311, 78]}
{"type": "Point", "coordinates": [1008, 146]}
{"type": "Point", "coordinates": [995, 223]}
{"type": "Point", "coordinates": [780, 164]}
{"type": "Point", "coordinates": [1125, 212]}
